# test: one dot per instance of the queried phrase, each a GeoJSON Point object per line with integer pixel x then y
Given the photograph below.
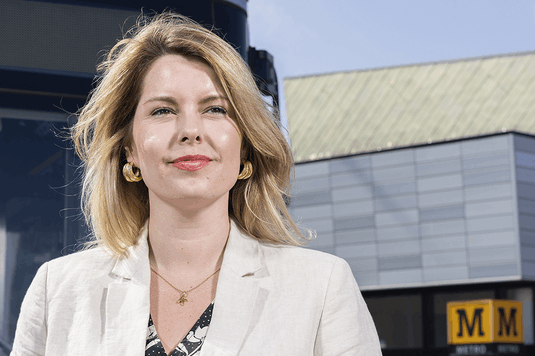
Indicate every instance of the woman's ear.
{"type": "Point", "coordinates": [243, 153]}
{"type": "Point", "coordinates": [129, 155]}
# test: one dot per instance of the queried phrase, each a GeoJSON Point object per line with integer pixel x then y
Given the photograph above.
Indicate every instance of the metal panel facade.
{"type": "Point", "coordinates": [449, 213]}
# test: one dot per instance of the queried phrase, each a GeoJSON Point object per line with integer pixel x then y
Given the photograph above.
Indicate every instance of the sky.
{"type": "Point", "coordinates": [309, 37]}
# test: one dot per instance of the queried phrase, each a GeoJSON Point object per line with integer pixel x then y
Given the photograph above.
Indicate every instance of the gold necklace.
{"type": "Point", "coordinates": [184, 293]}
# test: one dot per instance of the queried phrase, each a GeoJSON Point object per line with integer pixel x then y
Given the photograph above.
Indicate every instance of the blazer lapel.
{"type": "Point", "coordinates": [236, 296]}
{"type": "Point", "coordinates": [127, 302]}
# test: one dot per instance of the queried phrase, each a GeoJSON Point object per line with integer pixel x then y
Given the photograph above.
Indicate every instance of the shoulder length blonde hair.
{"type": "Point", "coordinates": [116, 210]}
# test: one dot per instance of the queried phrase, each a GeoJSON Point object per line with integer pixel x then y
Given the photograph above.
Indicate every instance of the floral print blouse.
{"type": "Point", "coordinates": [189, 346]}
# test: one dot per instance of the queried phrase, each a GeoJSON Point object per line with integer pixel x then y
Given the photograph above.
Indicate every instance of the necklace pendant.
{"type": "Point", "coordinates": [182, 299]}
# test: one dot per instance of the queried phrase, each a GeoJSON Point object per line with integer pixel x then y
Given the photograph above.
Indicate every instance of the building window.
{"type": "Point", "coordinates": [398, 320]}
{"type": "Point", "coordinates": [524, 295]}
{"type": "Point", "coordinates": [33, 207]}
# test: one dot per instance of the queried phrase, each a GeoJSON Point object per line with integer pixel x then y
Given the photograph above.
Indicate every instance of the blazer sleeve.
{"type": "Point", "coordinates": [30, 336]}
{"type": "Point", "coordinates": [346, 326]}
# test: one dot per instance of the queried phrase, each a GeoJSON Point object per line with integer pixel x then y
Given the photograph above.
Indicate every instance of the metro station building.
{"type": "Point", "coordinates": [423, 178]}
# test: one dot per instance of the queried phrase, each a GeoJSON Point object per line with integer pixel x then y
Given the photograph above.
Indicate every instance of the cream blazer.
{"type": "Point", "coordinates": [270, 300]}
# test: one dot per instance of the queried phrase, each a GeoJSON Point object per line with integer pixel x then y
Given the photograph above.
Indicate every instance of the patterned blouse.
{"type": "Point", "coordinates": [189, 346]}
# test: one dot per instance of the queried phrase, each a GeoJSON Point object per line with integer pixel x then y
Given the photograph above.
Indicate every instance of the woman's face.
{"type": "Point", "coordinates": [185, 140]}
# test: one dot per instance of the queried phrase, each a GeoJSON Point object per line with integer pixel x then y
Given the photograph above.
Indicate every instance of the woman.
{"type": "Point", "coordinates": [185, 177]}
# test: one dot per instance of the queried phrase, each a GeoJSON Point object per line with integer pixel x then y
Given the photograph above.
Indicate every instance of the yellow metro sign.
{"type": "Point", "coordinates": [485, 321]}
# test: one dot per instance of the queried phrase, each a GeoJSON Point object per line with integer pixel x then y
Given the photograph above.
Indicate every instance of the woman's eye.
{"type": "Point", "coordinates": [161, 112]}
{"type": "Point", "coordinates": [217, 110]}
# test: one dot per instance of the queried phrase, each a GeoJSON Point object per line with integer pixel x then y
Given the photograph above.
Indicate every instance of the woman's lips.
{"type": "Point", "coordinates": [191, 162]}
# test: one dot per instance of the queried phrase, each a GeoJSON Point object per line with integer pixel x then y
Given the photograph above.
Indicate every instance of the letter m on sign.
{"type": "Point", "coordinates": [463, 321]}
{"type": "Point", "coordinates": [507, 324]}
{"type": "Point", "coordinates": [485, 321]}
{"type": "Point", "coordinates": [507, 321]}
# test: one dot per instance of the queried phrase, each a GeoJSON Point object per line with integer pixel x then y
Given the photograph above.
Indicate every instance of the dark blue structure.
{"type": "Point", "coordinates": [47, 65]}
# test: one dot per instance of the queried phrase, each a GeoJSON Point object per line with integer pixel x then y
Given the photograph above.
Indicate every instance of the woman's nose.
{"type": "Point", "coordinates": [191, 129]}
{"type": "Point", "coordinates": [190, 138]}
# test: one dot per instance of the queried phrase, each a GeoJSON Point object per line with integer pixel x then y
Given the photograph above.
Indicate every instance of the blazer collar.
{"type": "Point", "coordinates": [237, 295]}
{"type": "Point", "coordinates": [137, 257]}
{"type": "Point", "coordinates": [128, 303]}
{"type": "Point", "coordinates": [242, 253]}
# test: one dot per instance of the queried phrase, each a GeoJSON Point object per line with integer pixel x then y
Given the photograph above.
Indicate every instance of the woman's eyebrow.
{"type": "Point", "coordinates": [213, 98]}
{"type": "Point", "coordinates": [167, 99]}
{"type": "Point", "coordinates": [171, 100]}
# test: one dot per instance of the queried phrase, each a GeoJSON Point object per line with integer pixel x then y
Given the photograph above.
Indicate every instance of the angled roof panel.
{"type": "Point", "coordinates": [340, 114]}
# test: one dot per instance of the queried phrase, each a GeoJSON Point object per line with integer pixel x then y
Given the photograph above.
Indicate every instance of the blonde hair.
{"type": "Point", "coordinates": [116, 210]}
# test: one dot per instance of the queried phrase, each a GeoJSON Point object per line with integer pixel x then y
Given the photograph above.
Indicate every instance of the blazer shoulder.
{"type": "Point", "coordinates": [90, 267]}
{"type": "Point", "coordinates": [302, 260]}
{"type": "Point", "coordinates": [299, 252]}
{"type": "Point", "coordinates": [81, 259]}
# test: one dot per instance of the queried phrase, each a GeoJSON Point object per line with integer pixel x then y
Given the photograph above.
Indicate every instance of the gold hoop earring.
{"type": "Point", "coordinates": [129, 174]}
{"type": "Point", "coordinates": [247, 170]}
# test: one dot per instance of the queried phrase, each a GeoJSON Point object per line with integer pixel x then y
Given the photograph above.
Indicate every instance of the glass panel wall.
{"type": "Point", "coordinates": [398, 320]}
{"type": "Point", "coordinates": [524, 295]}
{"type": "Point", "coordinates": [34, 201]}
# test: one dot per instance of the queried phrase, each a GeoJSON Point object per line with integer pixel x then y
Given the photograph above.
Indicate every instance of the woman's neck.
{"type": "Point", "coordinates": [187, 240]}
